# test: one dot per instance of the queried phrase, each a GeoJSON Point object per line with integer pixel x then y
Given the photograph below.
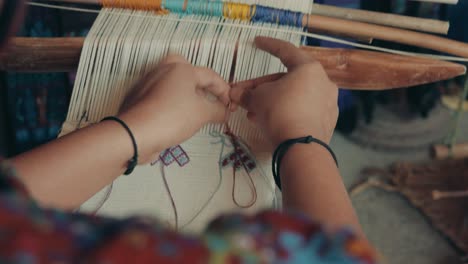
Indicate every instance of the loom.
{"type": "Point", "coordinates": [130, 37]}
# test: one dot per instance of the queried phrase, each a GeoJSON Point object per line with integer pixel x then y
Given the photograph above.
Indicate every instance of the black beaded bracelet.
{"type": "Point", "coordinates": [133, 162]}
{"type": "Point", "coordinates": [283, 148]}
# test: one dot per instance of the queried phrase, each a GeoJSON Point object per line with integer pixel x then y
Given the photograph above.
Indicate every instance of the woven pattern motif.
{"type": "Point", "coordinates": [237, 159]}
{"type": "Point", "coordinates": [174, 154]}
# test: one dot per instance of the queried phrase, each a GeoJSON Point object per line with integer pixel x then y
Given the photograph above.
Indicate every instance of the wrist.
{"type": "Point", "coordinates": [133, 162]}
{"type": "Point", "coordinates": [119, 141]}
{"type": "Point", "coordinates": [315, 151]}
{"type": "Point", "coordinates": [145, 136]}
{"type": "Point", "coordinates": [312, 156]}
{"type": "Point", "coordinates": [286, 146]}
{"type": "Point", "coordinates": [296, 132]}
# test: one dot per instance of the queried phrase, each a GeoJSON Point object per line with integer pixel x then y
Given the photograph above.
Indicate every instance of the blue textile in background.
{"type": "Point", "coordinates": [346, 99]}
{"type": "Point", "coordinates": [37, 103]}
{"type": "Point", "coordinates": [458, 16]}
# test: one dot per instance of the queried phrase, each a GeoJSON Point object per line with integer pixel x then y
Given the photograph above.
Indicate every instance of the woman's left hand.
{"type": "Point", "coordinates": [171, 103]}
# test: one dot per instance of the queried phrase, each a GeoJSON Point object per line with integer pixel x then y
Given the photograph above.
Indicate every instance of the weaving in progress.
{"type": "Point", "coordinates": [223, 168]}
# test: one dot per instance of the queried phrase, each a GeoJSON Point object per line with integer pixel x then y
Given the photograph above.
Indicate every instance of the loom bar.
{"type": "Point", "coordinates": [379, 18]}
{"type": "Point", "coordinates": [355, 69]}
{"type": "Point", "coordinates": [442, 152]}
{"type": "Point", "coordinates": [92, 2]}
{"type": "Point", "coordinates": [450, 2]}
{"type": "Point", "coordinates": [366, 30]}
{"type": "Point", "coordinates": [401, 36]}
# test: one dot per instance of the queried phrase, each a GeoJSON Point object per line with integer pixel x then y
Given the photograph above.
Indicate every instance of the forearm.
{"type": "Point", "coordinates": [68, 171]}
{"type": "Point", "coordinates": [312, 185]}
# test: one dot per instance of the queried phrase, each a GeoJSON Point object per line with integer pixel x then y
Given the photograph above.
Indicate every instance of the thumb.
{"type": "Point", "coordinates": [241, 92]}
{"type": "Point", "coordinates": [241, 96]}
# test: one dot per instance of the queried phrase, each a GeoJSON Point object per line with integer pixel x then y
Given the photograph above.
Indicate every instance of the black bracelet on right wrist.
{"type": "Point", "coordinates": [283, 148]}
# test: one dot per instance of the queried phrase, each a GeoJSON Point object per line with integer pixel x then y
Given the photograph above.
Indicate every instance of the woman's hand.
{"type": "Point", "coordinates": [170, 104]}
{"type": "Point", "coordinates": [296, 104]}
{"type": "Point", "coordinates": [299, 103]}
{"type": "Point", "coordinates": [165, 108]}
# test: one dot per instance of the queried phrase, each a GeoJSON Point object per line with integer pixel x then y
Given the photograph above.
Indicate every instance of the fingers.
{"type": "Point", "coordinates": [238, 91]}
{"type": "Point", "coordinates": [290, 55]}
{"type": "Point", "coordinates": [207, 81]}
{"type": "Point", "coordinates": [174, 58]}
{"type": "Point", "coordinates": [253, 83]}
{"type": "Point", "coordinates": [210, 82]}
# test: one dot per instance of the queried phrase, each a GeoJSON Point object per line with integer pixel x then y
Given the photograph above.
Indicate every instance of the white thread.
{"type": "Point", "coordinates": [103, 200]}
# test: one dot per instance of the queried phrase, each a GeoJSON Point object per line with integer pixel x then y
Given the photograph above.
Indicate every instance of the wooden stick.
{"type": "Point", "coordinates": [389, 34]}
{"type": "Point", "coordinates": [438, 195]}
{"type": "Point", "coordinates": [41, 54]}
{"type": "Point", "coordinates": [343, 35]}
{"type": "Point", "coordinates": [441, 152]}
{"type": "Point", "coordinates": [88, 2]}
{"type": "Point", "coordinates": [365, 30]}
{"type": "Point", "coordinates": [450, 2]}
{"type": "Point", "coordinates": [354, 69]}
{"type": "Point", "coordinates": [378, 18]}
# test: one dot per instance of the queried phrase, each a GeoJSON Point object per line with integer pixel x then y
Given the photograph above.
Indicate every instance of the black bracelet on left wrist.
{"type": "Point", "coordinates": [133, 162]}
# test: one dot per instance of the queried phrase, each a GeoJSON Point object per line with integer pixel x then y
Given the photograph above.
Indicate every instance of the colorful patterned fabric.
{"type": "Point", "coordinates": [31, 234]}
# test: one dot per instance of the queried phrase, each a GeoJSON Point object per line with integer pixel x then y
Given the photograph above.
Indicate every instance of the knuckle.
{"type": "Point", "coordinates": [205, 70]}
{"type": "Point", "coordinates": [312, 67]}
{"type": "Point", "coordinates": [174, 58]}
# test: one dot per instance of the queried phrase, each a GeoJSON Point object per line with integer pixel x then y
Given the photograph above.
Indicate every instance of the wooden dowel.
{"type": "Point", "coordinates": [379, 18]}
{"type": "Point", "coordinates": [401, 36]}
{"type": "Point", "coordinates": [41, 54]}
{"type": "Point", "coordinates": [385, 19]}
{"type": "Point", "coordinates": [441, 152]}
{"type": "Point", "coordinates": [355, 69]}
{"type": "Point", "coordinates": [343, 35]}
{"type": "Point", "coordinates": [365, 30]}
{"type": "Point", "coordinates": [438, 195]}
{"type": "Point", "coordinates": [450, 2]}
{"type": "Point", "coordinates": [88, 2]}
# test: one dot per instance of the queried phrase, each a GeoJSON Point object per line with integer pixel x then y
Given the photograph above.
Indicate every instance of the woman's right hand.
{"type": "Point", "coordinates": [289, 105]}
